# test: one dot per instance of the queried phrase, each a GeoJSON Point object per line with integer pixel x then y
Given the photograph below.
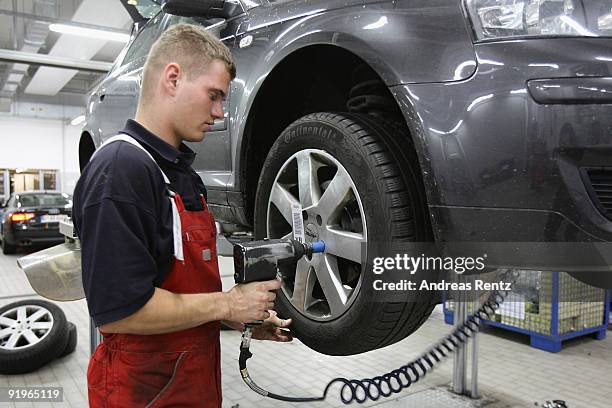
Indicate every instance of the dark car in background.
{"type": "Point", "coordinates": [32, 218]}
{"type": "Point", "coordinates": [390, 122]}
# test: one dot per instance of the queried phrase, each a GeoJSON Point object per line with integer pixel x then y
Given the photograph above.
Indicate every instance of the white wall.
{"type": "Point", "coordinates": [41, 144]}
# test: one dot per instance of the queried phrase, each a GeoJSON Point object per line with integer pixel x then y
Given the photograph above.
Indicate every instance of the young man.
{"type": "Point", "coordinates": [150, 269]}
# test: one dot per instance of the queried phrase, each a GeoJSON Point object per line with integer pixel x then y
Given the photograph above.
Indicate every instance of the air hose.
{"type": "Point", "coordinates": [395, 381]}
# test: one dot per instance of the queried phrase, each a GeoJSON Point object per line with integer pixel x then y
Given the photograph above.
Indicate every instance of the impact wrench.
{"type": "Point", "coordinates": [258, 261]}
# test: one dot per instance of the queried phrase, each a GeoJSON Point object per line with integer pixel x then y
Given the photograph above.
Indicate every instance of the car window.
{"type": "Point", "coordinates": [39, 200]}
{"type": "Point", "coordinates": [142, 43]}
{"type": "Point", "coordinates": [147, 8]}
{"type": "Point", "coordinates": [201, 21]}
{"type": "Point", "coordinates": [214, 25]}
{"type": "Point", "coordinates": [11, 202]}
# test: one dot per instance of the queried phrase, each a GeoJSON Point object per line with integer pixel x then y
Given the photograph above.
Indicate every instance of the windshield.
{"type": "Point", "coordinates": [142, 9]}
{"type": "Point", "coordinates": [41, 200]}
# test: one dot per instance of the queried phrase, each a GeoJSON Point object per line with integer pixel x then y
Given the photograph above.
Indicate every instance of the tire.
{"type": "Point", "coordinates": [8, 249]}
{"type": "Point", "coordinates": [72, 340]}
{"type": "Point", "coordinates": [385, 204]}
{"type": "Point", "coordinates": [23, 353]}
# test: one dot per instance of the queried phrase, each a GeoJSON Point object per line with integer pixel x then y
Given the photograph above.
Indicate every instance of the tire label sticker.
{"type": "Point", "coordinates": [298, 223]}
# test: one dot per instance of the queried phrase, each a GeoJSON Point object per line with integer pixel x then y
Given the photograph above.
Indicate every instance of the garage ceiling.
{"type": "Point", "coordinates": [24, 27]}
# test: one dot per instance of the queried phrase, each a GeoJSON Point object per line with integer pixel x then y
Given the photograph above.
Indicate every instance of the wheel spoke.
{"type": "Point", "coordinates": [39, 313]}
{"type": "Point", "coordinates": [5, 333]}
{"type": "Point", "coordinates": [41, 325]}
{"type": "Point", "coordinates": [12, 341]}
{"type": "Point", "coordinates": [283, 200]}
{"type": "Point", "coordinates": [335, 197]}
{"type": "Point", "coordinates": [299, 288]}
{"type": "Point", "coordinates": [310, 300]}
{"type": "Point", "coordinates": [22, 314]}
{"type": "Point", "coordinates": [30, 336]}
{"type": "Point", "coordinates": [310, 191]}
{"type": "Point", "coordinates": [328, 275]}
{"type": "Point", "coordinates": [344, 244]}
{"type": "Point", "coordinates": [5, 321]}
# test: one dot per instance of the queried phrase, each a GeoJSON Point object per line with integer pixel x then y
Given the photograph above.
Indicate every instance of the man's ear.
{"type": "Point", "coordinates": [170, 77]}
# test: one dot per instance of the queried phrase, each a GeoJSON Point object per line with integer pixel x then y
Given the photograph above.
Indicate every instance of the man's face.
{"type": "Point", "coordinates": [199, 102]}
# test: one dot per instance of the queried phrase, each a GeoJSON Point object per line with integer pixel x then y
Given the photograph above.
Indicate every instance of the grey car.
{"type": "Point", "coordinates": [390, 122]}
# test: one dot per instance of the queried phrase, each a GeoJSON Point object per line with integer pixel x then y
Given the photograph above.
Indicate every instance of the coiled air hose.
{"type": "Point", "coordinates": [399, 379]}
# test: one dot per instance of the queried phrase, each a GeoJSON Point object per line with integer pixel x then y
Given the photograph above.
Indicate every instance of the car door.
{"type": "Point", "coordinates": [116, 98]}
{"type": "Point", "coordinates": [213, 161]}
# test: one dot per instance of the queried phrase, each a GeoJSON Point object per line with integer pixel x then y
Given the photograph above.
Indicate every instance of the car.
{"type": "Point", "coordinates": [387, 123]}
{"type": "Point", "coordinates": [31, 218]}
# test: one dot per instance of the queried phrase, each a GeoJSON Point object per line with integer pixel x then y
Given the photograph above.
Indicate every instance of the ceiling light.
{"type": "Point", "coordinates": [78, 120]}
{"type": "Point", "coordinates": [15, 77]}
{"type": "Point", "coordinates": [89, 32]}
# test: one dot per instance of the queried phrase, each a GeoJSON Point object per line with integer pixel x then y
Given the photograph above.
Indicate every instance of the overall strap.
{"type": "Point", "coordinates": [176, 219]}
{"type": "Point", "coordinates": [129, 139]}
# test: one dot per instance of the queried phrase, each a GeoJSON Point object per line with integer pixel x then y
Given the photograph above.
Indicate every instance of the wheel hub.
{"type": "Point", "coordinates": [312, 232]}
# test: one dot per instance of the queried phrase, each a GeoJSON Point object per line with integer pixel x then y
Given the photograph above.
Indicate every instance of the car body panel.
{"type": "Point", "coordinates": [487, 144]}
{"type": "Point", "coordinates": [276, 32]}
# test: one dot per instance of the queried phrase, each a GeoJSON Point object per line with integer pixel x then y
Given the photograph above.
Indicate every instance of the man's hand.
{"type": "Point", "coordinates": [251, 301]}
{"type": "Point", "coordinates": [272, 329]}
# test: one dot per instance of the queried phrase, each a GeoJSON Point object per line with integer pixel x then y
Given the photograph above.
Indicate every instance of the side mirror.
{"type": "Point", "coordinates": [203, 8]}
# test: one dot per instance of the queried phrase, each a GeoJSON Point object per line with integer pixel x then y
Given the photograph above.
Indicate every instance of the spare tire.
{"type": "Point", "coordinates": [32, 333]}
{"type": "Point", "coordinates": [358, 182]}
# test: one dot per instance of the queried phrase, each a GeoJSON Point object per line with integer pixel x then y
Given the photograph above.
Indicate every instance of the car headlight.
{"type": "Point", "coordinates": [496, 19]}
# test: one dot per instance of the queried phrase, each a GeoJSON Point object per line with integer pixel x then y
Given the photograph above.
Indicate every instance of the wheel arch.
{"type": "Point", "coordinates": [87, 148]}
{"type": "Point", "coordinates": [323, 83]}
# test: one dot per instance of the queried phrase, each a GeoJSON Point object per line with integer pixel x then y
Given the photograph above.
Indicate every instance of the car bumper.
{"type": "Point", "coordinates": [505, 157]}
{"type": "Point", "coordinates": [25, 235]}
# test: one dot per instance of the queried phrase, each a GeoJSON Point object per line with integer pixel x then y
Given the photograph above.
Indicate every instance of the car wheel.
{"type": "Point", "coordinates": [32, 333]}
{"type": "Point", "coordinates": [72, 340]}
{"type": "Point", "coordinates": [358, 184]}
{"type": "Point", "coordinates": [8, 249]}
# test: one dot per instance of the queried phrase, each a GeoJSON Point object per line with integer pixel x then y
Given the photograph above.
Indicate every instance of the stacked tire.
{"type": "Point", "coordinates": [33, 333]}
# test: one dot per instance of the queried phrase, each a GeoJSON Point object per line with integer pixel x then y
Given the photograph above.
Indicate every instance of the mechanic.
{"type": "Point", "coordinates": [150, 270]}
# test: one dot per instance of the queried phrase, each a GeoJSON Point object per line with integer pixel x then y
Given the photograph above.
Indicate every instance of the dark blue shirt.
{"type": "Point", "coordinates": [123, 217]}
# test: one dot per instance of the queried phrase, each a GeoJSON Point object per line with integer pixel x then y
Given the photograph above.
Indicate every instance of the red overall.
{"type": "Point", "coordinates": [180, 369]}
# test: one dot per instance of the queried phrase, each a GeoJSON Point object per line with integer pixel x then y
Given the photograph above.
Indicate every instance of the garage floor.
{"type": "Point", "coordinates": [511, 374]}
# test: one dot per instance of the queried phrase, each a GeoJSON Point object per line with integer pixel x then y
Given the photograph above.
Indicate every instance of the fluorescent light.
{"type": "Point", "coordinates": [78, 120]}
{"type": "Point", "coordinates": [89, 32]}
{"type": "Point", "coordinates": [15, 77]}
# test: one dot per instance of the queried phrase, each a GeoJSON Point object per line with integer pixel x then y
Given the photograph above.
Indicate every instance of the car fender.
{"type": "Point", "coordinates": [363, 32]}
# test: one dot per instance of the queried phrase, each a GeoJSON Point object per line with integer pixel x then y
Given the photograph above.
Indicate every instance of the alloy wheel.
{"type": "Point", "coordinates": [323, 287]}
{"type": "Point", "coordinates": [24, 326]}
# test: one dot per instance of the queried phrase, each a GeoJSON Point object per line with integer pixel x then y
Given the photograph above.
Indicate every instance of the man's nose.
{"type": "Point", "coordinates": [218, 111]}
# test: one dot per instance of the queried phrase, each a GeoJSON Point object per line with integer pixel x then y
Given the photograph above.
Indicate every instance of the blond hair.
{"type": "Point", "coordinates": [192, 47]}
